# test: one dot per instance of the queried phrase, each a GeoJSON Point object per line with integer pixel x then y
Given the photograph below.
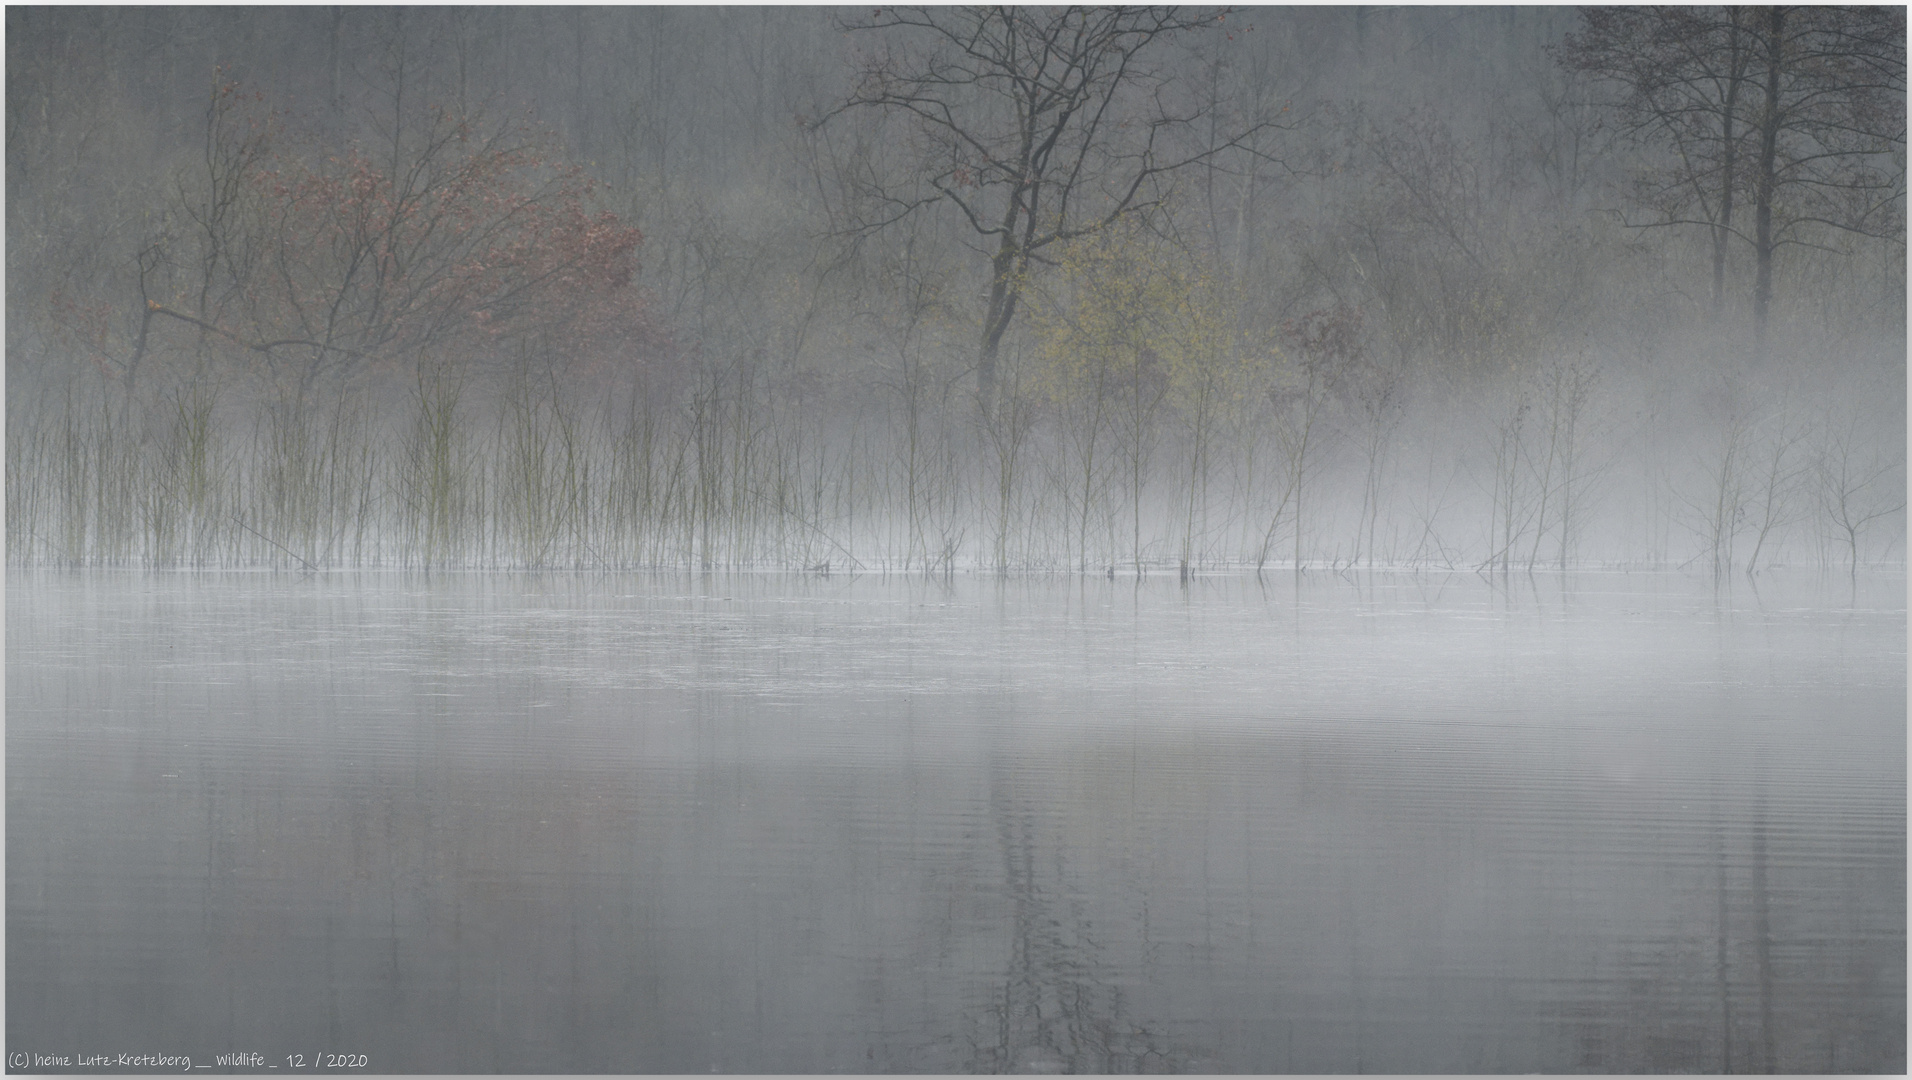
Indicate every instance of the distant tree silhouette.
{"type": "Point", "coordinates": [1797, 111]}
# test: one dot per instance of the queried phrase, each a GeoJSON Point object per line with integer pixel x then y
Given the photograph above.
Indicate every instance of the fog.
{"type": "Point", "coordinates": [684, 539]}
{"type": "Point", "coordinates": [713, 287]}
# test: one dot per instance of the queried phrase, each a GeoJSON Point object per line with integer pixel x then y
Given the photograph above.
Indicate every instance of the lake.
{"type": "Point", "coordinates": [739, 823]}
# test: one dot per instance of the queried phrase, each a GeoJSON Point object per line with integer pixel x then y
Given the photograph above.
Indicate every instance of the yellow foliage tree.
{"type": "Point", "coordinates": [1134, 336]}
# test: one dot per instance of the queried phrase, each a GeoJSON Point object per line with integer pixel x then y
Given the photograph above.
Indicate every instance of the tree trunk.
{"type": "Point", "coordinates": [1775, 19]}
{"type": "Point", "coordinates": [1729, 167]}
{"type": "Point", "coordinates": [1002, 306]}
{"type": "Point", "coordinates": [334, 99]}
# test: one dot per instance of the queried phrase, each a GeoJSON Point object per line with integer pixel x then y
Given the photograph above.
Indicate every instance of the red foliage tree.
{"type": "Point", "coordinates": [452, 239]}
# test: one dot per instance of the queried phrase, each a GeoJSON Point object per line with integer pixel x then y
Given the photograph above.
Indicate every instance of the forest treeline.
{"type": "Point", "coordinates": [1095, 290]}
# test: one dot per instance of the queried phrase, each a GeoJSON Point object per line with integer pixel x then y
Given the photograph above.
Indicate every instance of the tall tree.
{"type": "Point", "coordinates": [1799, 111]}
{"type": "Point", "coordinates": [1681, 73]}
{"type": "Point", "coordinates": [1038, 125]}
{"type": "Point", "coordinates": [1831, 130]}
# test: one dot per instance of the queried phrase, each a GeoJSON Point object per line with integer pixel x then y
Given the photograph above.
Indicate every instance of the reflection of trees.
{"type": "Point", "coordinates": [1756, 892]}
{"type": "Point", "coordinates": [1058, 1008]}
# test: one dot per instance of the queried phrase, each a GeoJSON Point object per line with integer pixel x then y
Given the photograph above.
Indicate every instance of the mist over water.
{"type": "Point", "coordinates": [632, 823]}
{"type": "Point", "coordinates": [683, 539]}
{"type": "Point", "coordinates": [634, 288]}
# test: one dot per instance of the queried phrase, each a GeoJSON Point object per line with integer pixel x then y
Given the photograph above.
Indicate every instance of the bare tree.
{"type": "Point", "coordinates": [1329, 353]}
{"type": "Point", "coordinates": [1799, 111]}
{"type": "Point", "coordinates": [1680, 72]}
{"type": "Point", "coordinates": [1780, 471]}
{"type": "Point", "coordinates": [1855, 487]}
{"type": "Point", "coordinates": [1831, 131]}
{"type": "Point", "coordinates": [1038, 125]}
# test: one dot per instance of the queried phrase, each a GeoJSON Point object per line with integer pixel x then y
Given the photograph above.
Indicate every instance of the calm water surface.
{"type": "Point", "coordinates": [522, 823]}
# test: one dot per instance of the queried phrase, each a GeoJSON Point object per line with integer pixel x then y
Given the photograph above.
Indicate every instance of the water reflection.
{"type": "Point", "coordinates": [1061, 1006]}
{"type": "Point", "coordinates": [624, 824]}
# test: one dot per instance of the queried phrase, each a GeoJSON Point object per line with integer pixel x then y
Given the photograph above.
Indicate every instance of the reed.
{"type": "Point", "coordinates": [740, 467]}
